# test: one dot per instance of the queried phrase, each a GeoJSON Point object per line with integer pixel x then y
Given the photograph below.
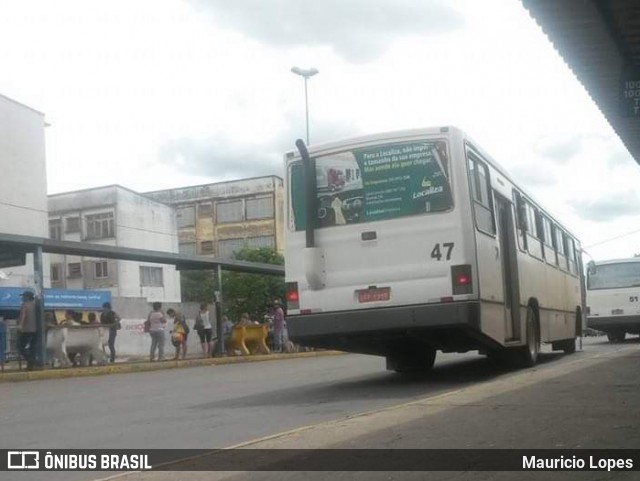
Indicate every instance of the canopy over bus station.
{"type": "Point", "coordinates": [600, 41]}
{"type": "Point", "coordinates": [14, 248]}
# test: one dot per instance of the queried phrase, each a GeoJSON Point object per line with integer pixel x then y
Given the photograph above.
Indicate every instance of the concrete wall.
{"type": "Point", "coordinates": [23, 182]}
{"type": "Point", "coordinates": [146, 224]}
{"type": "Point", "coordinates": [133, 342]}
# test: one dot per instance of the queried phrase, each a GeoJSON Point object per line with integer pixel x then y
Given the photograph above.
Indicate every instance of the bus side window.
{"type": "Point", "coordinates": [521, 224]}
{"type": "Point", "coordinates": [549, 251]}
{"type": "Point", "coordinates": [560, 248]}
{"type": "Point", "coordinates": [534, 244]}
{"type": "Point", "coordinates": [571, 255]}
{"type": "Point", "coordinates": [481, 195]}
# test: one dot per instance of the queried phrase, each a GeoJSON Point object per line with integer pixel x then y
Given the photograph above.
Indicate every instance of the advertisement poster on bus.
{"type": "Point", "coordinates": [382, 182]}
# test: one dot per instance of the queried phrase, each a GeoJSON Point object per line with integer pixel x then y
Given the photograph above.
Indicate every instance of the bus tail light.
{"type": "Point", "coordinates": [461, 279]}
{"type": "Point", "coordinates": [292, 296]}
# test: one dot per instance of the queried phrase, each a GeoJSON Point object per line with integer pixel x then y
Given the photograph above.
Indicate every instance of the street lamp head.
{"type": "Point", "coordinates": [306, 73]}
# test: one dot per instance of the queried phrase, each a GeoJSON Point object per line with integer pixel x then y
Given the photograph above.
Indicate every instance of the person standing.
{"type": "Point", "coordinates": [278, 326]}
{"type": "Point", "coordinates": [179, 332]}
{"type": "Point", "coordinates": [27, 338]}
{"type": "Point", "coordinates": [157, 322]}
{"type": "Point", "coordinates": [205, 330]}
{"type": "Point", "coordinates": [109, 318]}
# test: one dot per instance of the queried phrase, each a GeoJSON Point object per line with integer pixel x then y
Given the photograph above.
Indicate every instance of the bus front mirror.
{"type": "Point", "coordinates": [591, 267]}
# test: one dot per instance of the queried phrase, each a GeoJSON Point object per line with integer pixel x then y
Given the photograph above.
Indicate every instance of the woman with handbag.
{"type": "Point", "coordinates": [204, 329]}
{"type": "Point", "coordinates": [155, 325]}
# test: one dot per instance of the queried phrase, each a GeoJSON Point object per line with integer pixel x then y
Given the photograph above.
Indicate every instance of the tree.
{"type": "Point", "coordinates": [252, 293]}
{"type": "Point", "coordinates": [198, 286]}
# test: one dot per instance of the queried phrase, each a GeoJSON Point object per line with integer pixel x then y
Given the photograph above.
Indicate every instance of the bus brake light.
{"type": "Point", "coordinates": [461, 279]}
{"type": "Point", "coordinates": [292, 296]}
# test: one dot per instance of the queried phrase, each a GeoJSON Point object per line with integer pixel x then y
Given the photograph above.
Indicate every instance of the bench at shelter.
{"type": "Point", "coordinates": [249, 339]}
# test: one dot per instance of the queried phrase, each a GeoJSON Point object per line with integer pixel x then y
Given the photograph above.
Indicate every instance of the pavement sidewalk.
{"type": "Point", "coordinates": [11, 374]}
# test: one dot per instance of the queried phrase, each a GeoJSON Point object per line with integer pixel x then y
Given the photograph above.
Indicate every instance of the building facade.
{"type": "Point", "coordinates": [115, 216]}
{"type": "Point", "coordinates": [219, 219]}
{"type": "Point", "coordinates": [23, 184]}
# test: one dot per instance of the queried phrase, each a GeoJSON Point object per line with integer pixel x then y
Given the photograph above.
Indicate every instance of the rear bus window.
{"type": "Point", "coordinates": [375, 183]}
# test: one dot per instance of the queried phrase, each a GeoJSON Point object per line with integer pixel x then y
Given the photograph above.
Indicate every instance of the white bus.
{"type": "Point", "coordinates": [438, 250]}
{"type": "Point", "coordinates": [613, 297]}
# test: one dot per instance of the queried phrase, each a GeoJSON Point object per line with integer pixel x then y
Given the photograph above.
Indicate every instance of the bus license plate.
{"type": "Point", "coordinates": [374, 295]}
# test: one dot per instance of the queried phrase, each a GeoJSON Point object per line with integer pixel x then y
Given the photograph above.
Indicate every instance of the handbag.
{"type": "Point", "coordinates": [177, 338]}
{"type": "Point", "coordinates": [147, 325]}
{"type": "Point", "coordinates": [199, 325]}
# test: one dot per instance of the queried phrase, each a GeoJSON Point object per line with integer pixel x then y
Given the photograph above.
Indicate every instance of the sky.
{"type": "Point", "coordinates": [155, 94]}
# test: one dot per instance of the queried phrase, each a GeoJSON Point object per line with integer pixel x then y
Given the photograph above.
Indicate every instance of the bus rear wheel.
{"type": "Point", "coordinates": [412, 361]}
{"type": "Point", "coordinates": [569, 346]}
{"type": "Point", "coordinates": [617, 336]}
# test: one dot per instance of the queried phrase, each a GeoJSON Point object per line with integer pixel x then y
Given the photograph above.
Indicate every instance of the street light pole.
{"type": "Point", "coordinates": [306, 107]}
{"type": "Point", "coordinates": [306, 74]}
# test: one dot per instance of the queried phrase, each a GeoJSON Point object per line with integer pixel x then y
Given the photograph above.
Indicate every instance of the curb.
{"type": "Point", "coordinates": [153, 366]}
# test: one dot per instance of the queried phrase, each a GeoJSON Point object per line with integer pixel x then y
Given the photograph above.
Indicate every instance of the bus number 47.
{"type": "Point", "coordinates": [436, 253]}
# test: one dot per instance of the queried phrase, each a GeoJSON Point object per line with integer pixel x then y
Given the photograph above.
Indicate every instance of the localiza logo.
{"type": "Point", "coordinates": [23, 460]}
{"type": "Point", "coordinates": [430, 191]}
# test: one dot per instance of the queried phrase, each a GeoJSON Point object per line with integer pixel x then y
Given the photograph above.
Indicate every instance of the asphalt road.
{"type": "Point", "coordinates": [220, 406]}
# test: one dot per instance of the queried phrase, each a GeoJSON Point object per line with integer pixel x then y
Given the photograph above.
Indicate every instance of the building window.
{"type": "Point", "coordinates": [100, 226]}
{"type": "Point", "coordinates": [260, 208]}
{"type": "Point", "coordinates": [186, 216]}
{"type": "Point", "coordinates": [73, 224]}
{"type": "Point", "coordinates": [56, 272]}
{"type": "Point", "coordinates": [101, 270]}
{"type": "Point", "coordinates": [55, 229]}
{"type": "Point", "coordinates": [205, 209]}
{"type": "Point", "coordinates": [187, 248]}
{"type": "Point", "coordinates": [230, 211]}
{"type": "Point", "coordinates": [206, 247]}
{"type": "Point", "coordinates": [74, 270]}
{"type": "Point", "coordinates": [151, 276]}
{"type": "Point", "coordinates": [228, 247]}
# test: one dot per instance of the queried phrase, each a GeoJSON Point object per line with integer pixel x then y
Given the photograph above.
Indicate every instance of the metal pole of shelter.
{"type": "Point", "coordinates": [38, 277]}
{"type": "Point", "coordinates": [220, 347]}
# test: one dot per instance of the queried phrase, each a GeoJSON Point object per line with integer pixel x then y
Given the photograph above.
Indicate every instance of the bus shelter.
{"type": "Point", "coordinates": [56, 303]}
{"type": "Point", "coordinates": [14, 249]}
